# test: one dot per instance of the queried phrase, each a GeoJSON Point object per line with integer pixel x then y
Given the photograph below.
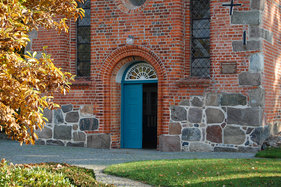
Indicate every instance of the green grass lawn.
{"type": "Point", "coordinates": [270, 153]}
{"type": "Point", "coordinates": [202, 172]}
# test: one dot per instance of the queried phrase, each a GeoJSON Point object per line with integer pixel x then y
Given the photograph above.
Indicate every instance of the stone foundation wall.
{"type": "Point", "coordinates": [214, 122]}
{"type": "Point", "coordinates": [73, 127]}
{"type": "Point", "coordinates": [217, 122]}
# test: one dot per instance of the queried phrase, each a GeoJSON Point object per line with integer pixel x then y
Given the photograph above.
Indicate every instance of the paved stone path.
{"type": "Point", "coordinates": [96, 159]}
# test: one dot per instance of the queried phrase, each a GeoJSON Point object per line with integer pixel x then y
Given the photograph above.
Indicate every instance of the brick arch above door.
{"type": "Point", "coordinates": [127, 54]}
{"type": "Point", "coordinates": [112, 91]}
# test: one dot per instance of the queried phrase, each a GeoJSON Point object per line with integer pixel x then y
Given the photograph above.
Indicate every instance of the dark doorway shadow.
{"type": "Point", "coordinates": [149, 140]}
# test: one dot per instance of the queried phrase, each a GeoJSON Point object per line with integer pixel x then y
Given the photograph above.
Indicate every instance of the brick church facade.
{"type": "Point", "coordinates": [172, 75]}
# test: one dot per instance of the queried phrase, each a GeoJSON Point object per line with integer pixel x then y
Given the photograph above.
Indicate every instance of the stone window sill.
{"type": "Point", "coordinates": [82, 81]}
{"type": "Point", "coordinates": [194, 82]}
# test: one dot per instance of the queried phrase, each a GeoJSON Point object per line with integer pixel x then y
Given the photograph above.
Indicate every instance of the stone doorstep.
{"type": "Point", "coordinates": [99, 141]}
{"type": "Point", "coordinates": [169, 143]}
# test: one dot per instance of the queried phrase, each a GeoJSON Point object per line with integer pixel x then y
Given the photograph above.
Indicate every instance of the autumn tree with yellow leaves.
{"type": "Point", "coordinates": [26, 83]}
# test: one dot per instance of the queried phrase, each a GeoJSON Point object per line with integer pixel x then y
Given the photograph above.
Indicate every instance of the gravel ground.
{"type": "Point", "coordinates": [96, 159]}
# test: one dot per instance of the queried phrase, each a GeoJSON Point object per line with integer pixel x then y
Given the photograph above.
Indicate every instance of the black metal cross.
{"type": "Point", "coordinates": [231, 5]}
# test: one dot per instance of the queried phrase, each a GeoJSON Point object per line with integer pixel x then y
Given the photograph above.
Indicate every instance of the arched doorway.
{"type": "Point", "coordinates": [139, 107]}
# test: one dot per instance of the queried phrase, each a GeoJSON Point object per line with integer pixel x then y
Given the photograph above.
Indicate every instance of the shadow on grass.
{"type": "Point", "coordinates": [270, 153]}
{"type": "Point", "coordinates": [251, 181]}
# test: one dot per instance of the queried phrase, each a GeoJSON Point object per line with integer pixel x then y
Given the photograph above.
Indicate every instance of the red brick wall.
{"type": "Point", "coordinates": [57, 45]}
{"type": "Point", "coordinates": [272, 71]}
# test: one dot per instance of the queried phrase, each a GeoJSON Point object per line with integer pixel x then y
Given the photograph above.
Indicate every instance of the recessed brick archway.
{"type": "Point", "coordinates": [112, 89]}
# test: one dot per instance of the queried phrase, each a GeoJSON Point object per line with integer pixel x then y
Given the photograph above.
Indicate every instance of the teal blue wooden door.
{"type": "Point", "coordinates": [132, 116]}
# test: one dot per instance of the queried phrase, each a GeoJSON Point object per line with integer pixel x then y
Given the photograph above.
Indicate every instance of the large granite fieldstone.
{"type": "Point", "coordinates": [72, 117]}
{"type": "Point", "coordinates": [258, 4]}
{"type": "Point", "coordinates": [191, 134]}
{"type": "Point", "coordinates": [54, 142]}
{"type": "Point", "coordinates": [58, 116]}
{"type": "Point", "coordinates": [257, 62]}
{"type": "Point", "coordinates": [258, 32]}
{"type": "Point", "coordinates": [257, 97]}
{"type": "Point", "coordinates": [178, 113]}
{"type": "Point", "coordinates": [212, 99]}
{"type": "Point", "coordinates": [169, 143]}
{"type": "Point", "coordinates": [200, 147]}
{"type": "Point", "coordinates": [246, 17]}
{"type": "Point", "coordinates": [251, 79]}
{"type": "Point", "coordinates": [259, 135]}
{"type": "Point", "coordinates": [214, 115]}
{"type": "Point", "coordinates": [88, 124]}
{"type": "Point", "coordinates": [233, 99]}
{"type": "Point", "coordinates": [66, 108]}
{"type": "Point", "coordinates": [174, 128]}
{"type": "Point", "coordinates": [197, 101]}
{"type": "Point", "coordinates": [234, 135]}
{"type": "Point", "coordinates": [46, 133]}
{"type": "Point", "coordinates": [99, 141]}
{"type": "Point", "coordinates": [79, 136]}
{"type": "Point", "coordinates": [195, 115]}
{"type": "Point", "coordinates": [252, 45]}
{"type": "Point", "coordinates": [62, 132]}
{"type": "Point", "coordinates": [48, 114]}
{"type": "Point", "coordinates": [214, 134]}
{"type": "Point", "coordinates": [245, 116]}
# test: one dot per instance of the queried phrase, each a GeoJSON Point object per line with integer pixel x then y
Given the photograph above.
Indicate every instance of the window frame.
{"type": "Point", "coordinates": [77, 43]}
{"type": "Point", "coordinates": [192, 38]}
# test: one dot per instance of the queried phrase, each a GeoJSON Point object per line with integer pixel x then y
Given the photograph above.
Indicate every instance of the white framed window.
{"type": "Point", "coordinates": [141, 71]}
